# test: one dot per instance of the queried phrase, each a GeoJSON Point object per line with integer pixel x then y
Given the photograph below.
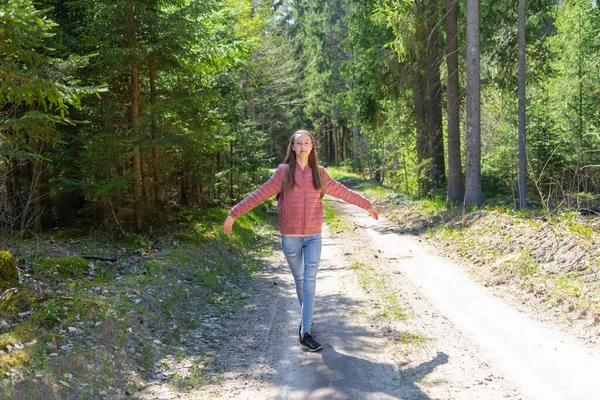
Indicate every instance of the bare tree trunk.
{"type": "Point", "coordinates": [579, 141]}
{"type": "Point", "coordinates": [331, 144]}
{"type": "Point", "coordinates": [145, 185]}
{"type": "Point", "coordinates": [231, 171]}
{"type": "Point", "coordinates": [336, 150]}
{"type": "Point", "coordinates": [184, 188]}
{"type": "Point", "coordinates": [522, 112]}
{"type": "Point", "coordinates": [36, 190]}
{"type": "Point", "coordinates": [421, 102]}
{"type": "Point", "coordinates": [436, 137]}
{"type": "Point", "coordinates": [215, 192]}
{"type": "Point", "coordinates": [347, 143]}
{"type": "Point", "coordinates": [455, 185]}
{"type": "Point", "coordinates": [158, 189]}
{"type": "Point", "coordinates": [35, 193]}
{"type": "Point", "coordinates": [473, 193]}
{"type": "Point", "coordinates": [355, 143]}
{"type": "Point", "coordinates": [136, 113]}
{"type": "Point", "coordinates": [201, 187]}
{"type": "Point", "coordinates": [342, 131]}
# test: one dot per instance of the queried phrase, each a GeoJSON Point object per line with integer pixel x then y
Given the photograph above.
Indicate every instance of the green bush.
{"type": "Point", "coordinates": [9, 276]}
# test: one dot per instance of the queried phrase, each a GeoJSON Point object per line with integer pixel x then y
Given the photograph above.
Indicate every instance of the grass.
{"type": "Point", "coordinates": [335, 222]}
{"type": "Point", "coordinates": [384, 194]}
{"type": "Point", "coordinates": [523, 264]}
{"type": "Point", "coordinates": [574, 225]}
{"type": "Point", "coordinates": [369, 279]}
{"type": "Point", "coordinates": [129, 314]}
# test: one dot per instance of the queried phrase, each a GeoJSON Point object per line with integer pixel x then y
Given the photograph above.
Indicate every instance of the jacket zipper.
{"type": "Point", "coordinates": [303, 204]}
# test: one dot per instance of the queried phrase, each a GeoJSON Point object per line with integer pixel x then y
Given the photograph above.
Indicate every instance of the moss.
{"type": "Point", "coordinates": [14, 359]}
{"type": "Point", "coordinates": [9, 276]}
{"type": "Point", "coordinates": [68, 266]}
{"type": "Point", "coordinates": [69, 233]}
{"type": "Point", "coordinates": [10, 356]}
{"type": "Point", "coordinates": [19, 301]}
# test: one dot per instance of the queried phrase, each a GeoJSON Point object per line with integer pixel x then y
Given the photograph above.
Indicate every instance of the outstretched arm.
{"type": "Point", "coordinates": [269, 189]}
{"type": "Point", "coordinates": [336, 189]}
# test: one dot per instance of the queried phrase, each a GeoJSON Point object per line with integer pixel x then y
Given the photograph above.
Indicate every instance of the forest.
{"type": "Point", "coordinates": [117, 113]}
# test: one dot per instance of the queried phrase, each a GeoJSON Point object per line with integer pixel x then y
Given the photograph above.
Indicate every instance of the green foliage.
{"type": "Point", "coordinates": [9, 275]}
{"type": "Point", "coordinates": [38, 87]}
{"type": "Point", "coordinates": [221, 85]}
{"type": "Point", "coordinates": [523, 264]}
{"type": "Point", "coordinates": [573, 94]}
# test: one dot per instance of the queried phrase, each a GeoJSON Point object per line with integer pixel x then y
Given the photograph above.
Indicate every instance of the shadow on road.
{"type": "Point", "coordinates": [338, 371]}
{"type": "Point", "coordinates": [353, 377]}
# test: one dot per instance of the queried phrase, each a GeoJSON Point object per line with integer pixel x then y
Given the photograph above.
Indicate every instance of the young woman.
{"type": "Point", "coordinates": [300, 183]}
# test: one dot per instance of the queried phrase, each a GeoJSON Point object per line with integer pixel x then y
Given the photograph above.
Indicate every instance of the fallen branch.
{"type": "Point", "coordinates": [101, 258]}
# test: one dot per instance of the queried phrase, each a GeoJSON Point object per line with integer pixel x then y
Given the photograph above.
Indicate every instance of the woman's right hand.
{"type": "Point", "coordinates": [228, 225]}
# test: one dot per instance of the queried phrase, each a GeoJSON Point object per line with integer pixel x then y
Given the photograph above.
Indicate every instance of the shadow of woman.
{"type": "Point", "coordinates": [347, 377]}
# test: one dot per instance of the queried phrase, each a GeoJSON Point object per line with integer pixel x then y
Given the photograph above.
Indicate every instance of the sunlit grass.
{"type": "Point", "coordinates": [333, 220]}
{"type": "Point", "coordinates": [371, 280]}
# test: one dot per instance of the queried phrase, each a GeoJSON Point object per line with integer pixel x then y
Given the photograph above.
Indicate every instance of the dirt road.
{"type": "Point", "coordinates": [396, 322]}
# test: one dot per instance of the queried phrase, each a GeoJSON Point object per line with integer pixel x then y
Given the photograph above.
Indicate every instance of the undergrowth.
{"type": "Point", "coordinates": [103, 329]}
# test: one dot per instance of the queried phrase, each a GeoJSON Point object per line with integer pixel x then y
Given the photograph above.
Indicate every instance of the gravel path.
{"type": "Point", "coordinates": [396, 322]}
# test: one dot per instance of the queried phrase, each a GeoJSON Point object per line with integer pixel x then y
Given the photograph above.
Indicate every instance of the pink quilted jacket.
{"type": "Point", "coordinates": [301, 209]}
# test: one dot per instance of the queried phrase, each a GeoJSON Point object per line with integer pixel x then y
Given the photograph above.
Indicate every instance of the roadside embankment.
{"type": "Point", "coordinates": [548, 266]}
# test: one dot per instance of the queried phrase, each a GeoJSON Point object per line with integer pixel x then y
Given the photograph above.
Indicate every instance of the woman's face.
{"type": "Point", "coordinates": [302, 145]}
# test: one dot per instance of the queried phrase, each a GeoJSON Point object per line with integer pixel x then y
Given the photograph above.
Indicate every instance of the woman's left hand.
{"type": "Point", "coordinates": [373, 213]}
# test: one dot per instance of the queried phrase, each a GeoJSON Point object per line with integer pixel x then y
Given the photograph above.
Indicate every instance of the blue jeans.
{"type": "Point", "coordinates": [303, 254]}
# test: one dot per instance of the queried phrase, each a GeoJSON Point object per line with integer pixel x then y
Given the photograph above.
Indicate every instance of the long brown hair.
{"type": "Point", "coordinates": [313, 162]}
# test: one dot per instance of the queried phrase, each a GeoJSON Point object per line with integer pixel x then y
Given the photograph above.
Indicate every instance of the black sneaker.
{"type": "Point", "coordinates": [308, 343]}
{"type": "Point", "coordinates": [300, 328]}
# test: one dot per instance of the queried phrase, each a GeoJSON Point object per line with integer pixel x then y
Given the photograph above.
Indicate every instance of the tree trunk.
{"type": "Point", "coordinates": [136, 113]}
{"type": "Point", "coordinates": [336, 150]}
{"type": "Point", "coordinates": [421, 103]}
{"type": "Point", "coordinates": [436, 137]}
{"type": "Point", "coordinates": [355, 142]}
{"type": "Point", "coordinates": [473, 193]}
{"type": "Point", "coordinates": [145, 185]}
{"type": "Point", "coordinates": [202, 194]}
{"type": "Point", "coordinates": [231, 171]}
{"type": "Point", "coordinates": [158, 189]}
{"type": "Point", "coordinates": [347, 142]}
{"type": "Point", "coordinates": [579, 141]}
{"type": "Point", "coordinates": [522, 111]}
{"type": "Point", "coordinates": [215, 192]}
{"type": "Point", "coordinates": [342, 131]}
{"type": "Point", "coordinates": [331, 144]}
{"type": "Point", "coordinates": [184, 189]}
{"type": "Point", "coordinates": [455, 185]}
{"type": "Point", "coordinates": [36, 190]}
